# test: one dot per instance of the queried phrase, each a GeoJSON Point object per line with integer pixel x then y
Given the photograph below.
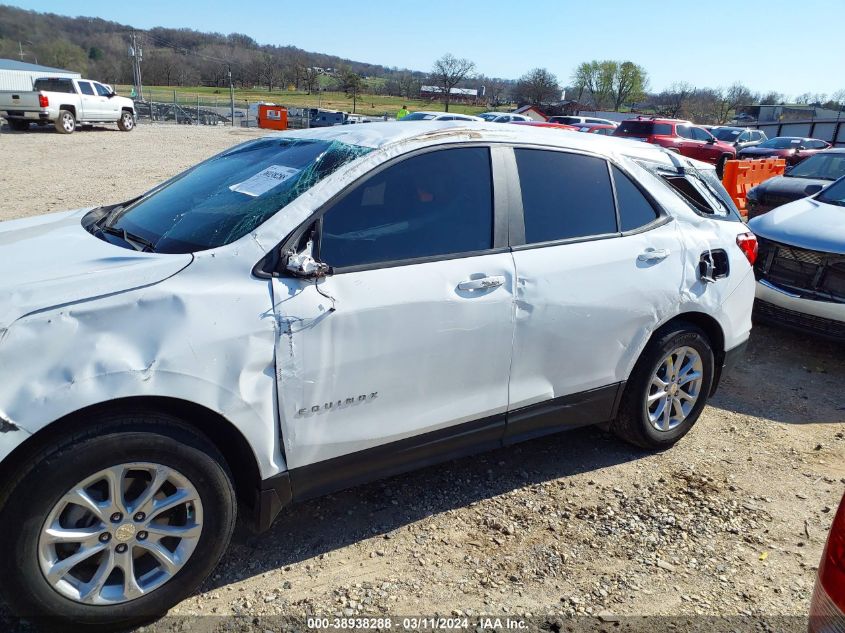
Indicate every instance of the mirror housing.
{"type": "Point", "coordinates": [304, 265]}
{"type": "Point", "coordinates": [811, 190]}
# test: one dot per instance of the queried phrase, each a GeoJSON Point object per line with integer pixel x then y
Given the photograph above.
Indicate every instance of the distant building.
{"type": "Point", "coordinates": [16, 75]}
{"type": "Point", "coordinates": [466, 95]}
{"type": "Point", "coordinates": [532, 112]}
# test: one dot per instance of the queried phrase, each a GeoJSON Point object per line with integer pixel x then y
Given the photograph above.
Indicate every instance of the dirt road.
{"type": "Point", "coordinates": [731, 521]}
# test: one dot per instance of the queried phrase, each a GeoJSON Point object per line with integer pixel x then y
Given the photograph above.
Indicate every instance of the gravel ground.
{"type": "Point", "coordinates": [729, 522]}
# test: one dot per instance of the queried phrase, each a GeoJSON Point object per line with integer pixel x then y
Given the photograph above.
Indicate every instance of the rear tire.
{"type": "Point", "coordinates": [43, 503]}
{"type": "Point", "coordinates": [19, 125]}
{"type": "Point", "coordinates": [66, 122]}
{"type": "Point", "coordinates": [661, 381]}
{"type": "Point", "coordinates": [126, 122]}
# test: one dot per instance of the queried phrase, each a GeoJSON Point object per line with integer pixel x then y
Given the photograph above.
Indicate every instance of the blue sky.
{"type": "Point", "coordinates": [779, 45]}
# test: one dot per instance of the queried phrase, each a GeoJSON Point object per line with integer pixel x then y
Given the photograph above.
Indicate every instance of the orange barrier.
{"type": "Point", "coordinates": [272, 117]}
{"type": "Point", "coordinates": [740, 176]}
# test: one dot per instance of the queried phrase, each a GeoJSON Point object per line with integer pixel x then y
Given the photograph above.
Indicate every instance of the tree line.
{"type": "Point", "coordinates": [185, 57]}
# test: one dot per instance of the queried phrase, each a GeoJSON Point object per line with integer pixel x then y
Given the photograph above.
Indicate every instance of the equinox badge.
{"type": "Point", "coordinates": [338, 404]}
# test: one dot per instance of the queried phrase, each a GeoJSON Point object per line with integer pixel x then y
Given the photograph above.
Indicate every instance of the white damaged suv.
{"type": "Point", "coordinates": [315, 309]}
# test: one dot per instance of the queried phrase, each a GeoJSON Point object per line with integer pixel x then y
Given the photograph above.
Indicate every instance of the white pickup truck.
{"type": "Point", "coordinates": [66, 103]}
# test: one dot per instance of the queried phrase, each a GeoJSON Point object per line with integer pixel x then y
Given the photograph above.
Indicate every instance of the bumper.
{"type": "Point", "coordinates": [780, 307]}
{"type": "Point", "coordinates": [731, 359]}
{"type": "Point", "coordinates": [27, 116]}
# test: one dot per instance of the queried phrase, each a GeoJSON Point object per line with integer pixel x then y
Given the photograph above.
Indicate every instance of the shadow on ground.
{"type": "Point", "coordinates": [306, 530]}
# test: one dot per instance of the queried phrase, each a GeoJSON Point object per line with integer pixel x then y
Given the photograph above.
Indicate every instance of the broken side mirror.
{"type": "Point", "coordinates": [303, 264]}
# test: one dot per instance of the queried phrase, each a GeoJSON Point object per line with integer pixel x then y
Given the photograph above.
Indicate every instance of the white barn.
{"type": "Point", "coordinates": [15, 75]}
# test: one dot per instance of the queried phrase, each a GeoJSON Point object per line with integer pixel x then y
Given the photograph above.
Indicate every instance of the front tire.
{"type": "Point", "coordinates": [66, 122]}
{"type": "Point", "coordinates": [667, 389]}
{"type": "Point", "coordinates": [116, 524]}
{"type": "Point", "coordinates": [126, 122]}
{"type": "Point", "coordinates": [720, 164]}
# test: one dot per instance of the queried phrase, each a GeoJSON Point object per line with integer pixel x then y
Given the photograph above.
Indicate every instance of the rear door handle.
{"type": "Point", "coordinates": [653, 255]}
{"type": "Point", "coordinates": [484, 283]}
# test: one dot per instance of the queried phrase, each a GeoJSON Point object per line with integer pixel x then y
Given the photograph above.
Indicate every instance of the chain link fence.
{"type": "Point", "coordinates": [170, 106]}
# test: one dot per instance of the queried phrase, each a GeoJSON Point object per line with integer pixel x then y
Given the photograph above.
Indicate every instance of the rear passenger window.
{"type": "Point", "coordinates": [634, 209]}
{"type": "Point", "coordinates": [438, 203]}
{"type": "Point", "coordinates": [564, 195]}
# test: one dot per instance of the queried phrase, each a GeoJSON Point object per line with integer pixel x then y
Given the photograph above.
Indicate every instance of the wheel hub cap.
{"type": "Point", "coordinates": [125, 532]}
{"type": "Point", "coordinates": [120, 533]}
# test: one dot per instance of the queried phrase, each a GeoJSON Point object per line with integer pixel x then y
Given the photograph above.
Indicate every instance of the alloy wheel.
{"type": "Point", "coordinates": [674, 388]}
{"type": "Point", "coordinates": [120, 533]}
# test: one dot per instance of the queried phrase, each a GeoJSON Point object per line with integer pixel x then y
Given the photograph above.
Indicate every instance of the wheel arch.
{"type": "Point", "coordinates": [70, 108]}
{"type": "Point", "coordinates": [221, 432]}
{"type": "Point", "coordinates": [711, 328]}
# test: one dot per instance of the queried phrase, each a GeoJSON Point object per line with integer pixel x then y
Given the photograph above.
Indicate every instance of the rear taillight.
{"type": "Point", "coordinates": [832, 568]}
{"type": "Point", "coordinates": [43, 101]}
{"type": "Point", "coordinates": [747, 243]}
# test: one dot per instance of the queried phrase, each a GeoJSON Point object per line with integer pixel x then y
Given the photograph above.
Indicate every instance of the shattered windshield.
{"type": "Point", "coordinates": [226, 197]}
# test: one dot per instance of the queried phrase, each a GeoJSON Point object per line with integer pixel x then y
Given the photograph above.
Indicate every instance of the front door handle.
{"type": "Point", "coordinates": [484, 283]}
{"type": "Point", "coordinates": [653, 255]}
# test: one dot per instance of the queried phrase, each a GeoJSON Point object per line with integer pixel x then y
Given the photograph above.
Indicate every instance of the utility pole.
{"type": "Point", "coordinates": [231, 95]}
{"type": "Point", "coordinates": [137, 55]}
{"type": "Point", "coordinates": [20, 46]}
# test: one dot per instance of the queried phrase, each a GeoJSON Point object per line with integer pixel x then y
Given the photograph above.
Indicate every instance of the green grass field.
{"type": "Point", "coordinates": [366, 104]}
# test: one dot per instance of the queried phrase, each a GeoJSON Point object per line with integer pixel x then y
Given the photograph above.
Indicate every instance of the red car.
{"type": "Point", "coordinates": [596, 128]}
{"type": "Point", "coordinates": [557, 126]}
{"type": "Point", "coordinates": [793, 149]}
{"type": "Point", "coordinates": [827, 609]}
{"type": "Point", "coordinates": [678, 136]}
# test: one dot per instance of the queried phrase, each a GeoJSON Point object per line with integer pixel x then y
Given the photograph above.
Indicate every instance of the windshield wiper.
{"type": "Point", "coordinates": [135, 241]}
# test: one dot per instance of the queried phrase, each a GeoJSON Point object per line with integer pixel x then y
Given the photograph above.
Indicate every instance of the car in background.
{"type": "Point", "coordinates": [503, 117]}
{"type": "Point", "coordinates": [827, 608]}
{"type": "Point", "coordinates": [739, 137]}
{"type": "Point", "coordinates": [556, 126]}
{"type": "Point", "coordinates": [800, 267]}
{"type": "Point", "coordinates": [596, 128]}
{"type": "Point", "coordinates": [580, 120]}
{"type": "Point", "coordinates": [424, 115]}
{"type": "Point", "coordinates": [679, 136]}
{"type": "Point", "coordinates": [793, 149]}
{"type": "Point", "coordinates": [804, 179]}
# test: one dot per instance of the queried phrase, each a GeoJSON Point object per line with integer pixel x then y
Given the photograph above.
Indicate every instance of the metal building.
{"type": "Point", "coordinates": [15, 75]}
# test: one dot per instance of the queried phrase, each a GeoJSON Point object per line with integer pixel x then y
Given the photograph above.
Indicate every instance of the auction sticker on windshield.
{"type": "Point", "coordinates": [265, 180]}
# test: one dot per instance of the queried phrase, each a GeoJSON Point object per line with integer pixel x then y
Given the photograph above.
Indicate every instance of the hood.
{"type": "Point", "coordinates": [766, 151]}
{"type": "Point", "coordinates": [805, 223]}
{"type": "Point", "coordinates": [781, 187]}
{"type": "Point", "coordinates": [50, 260]}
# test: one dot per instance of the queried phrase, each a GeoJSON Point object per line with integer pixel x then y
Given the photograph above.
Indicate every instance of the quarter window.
{"type": "Point", "coordinates": [564, 195]}
{"type": "Point", "coordinates": [634, 209]}
{"type": "Point", "coordinates": [434, 204]}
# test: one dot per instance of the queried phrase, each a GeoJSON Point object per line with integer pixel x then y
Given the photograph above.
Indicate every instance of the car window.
{"type": "Point", "coordinates": [85, 88]}
{"type": "Point", "coordinates": [700, 135]}
{"type": "Point", "coordinates": [634, 208]}
{"type": "Point", "coordinates": [564, 195]}
{"type": "Point", "coordinates": [54, 85]}
{"type": "Point", "coordinates": [101, 90]}
{"type": "Point", "coordinates": [744, 137]}
{"type": "Point", "coordinates": [815, 145]}
{"type": "Point", "coordinates": [229, 195]}
{"type": "Point", "coordinates": [437, 203]}
{"type": "Point", "coordinates": [445, 118]}
{"type": "Point", "coordinates": [684, 131]}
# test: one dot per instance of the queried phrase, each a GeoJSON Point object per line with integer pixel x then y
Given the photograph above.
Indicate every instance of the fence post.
{"type": "Point", "coordinates": [247, 113]}
{"type": "Point", "coordinates": [175, 108]}
{"type": "Point", "coordinates": [198, 108]}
